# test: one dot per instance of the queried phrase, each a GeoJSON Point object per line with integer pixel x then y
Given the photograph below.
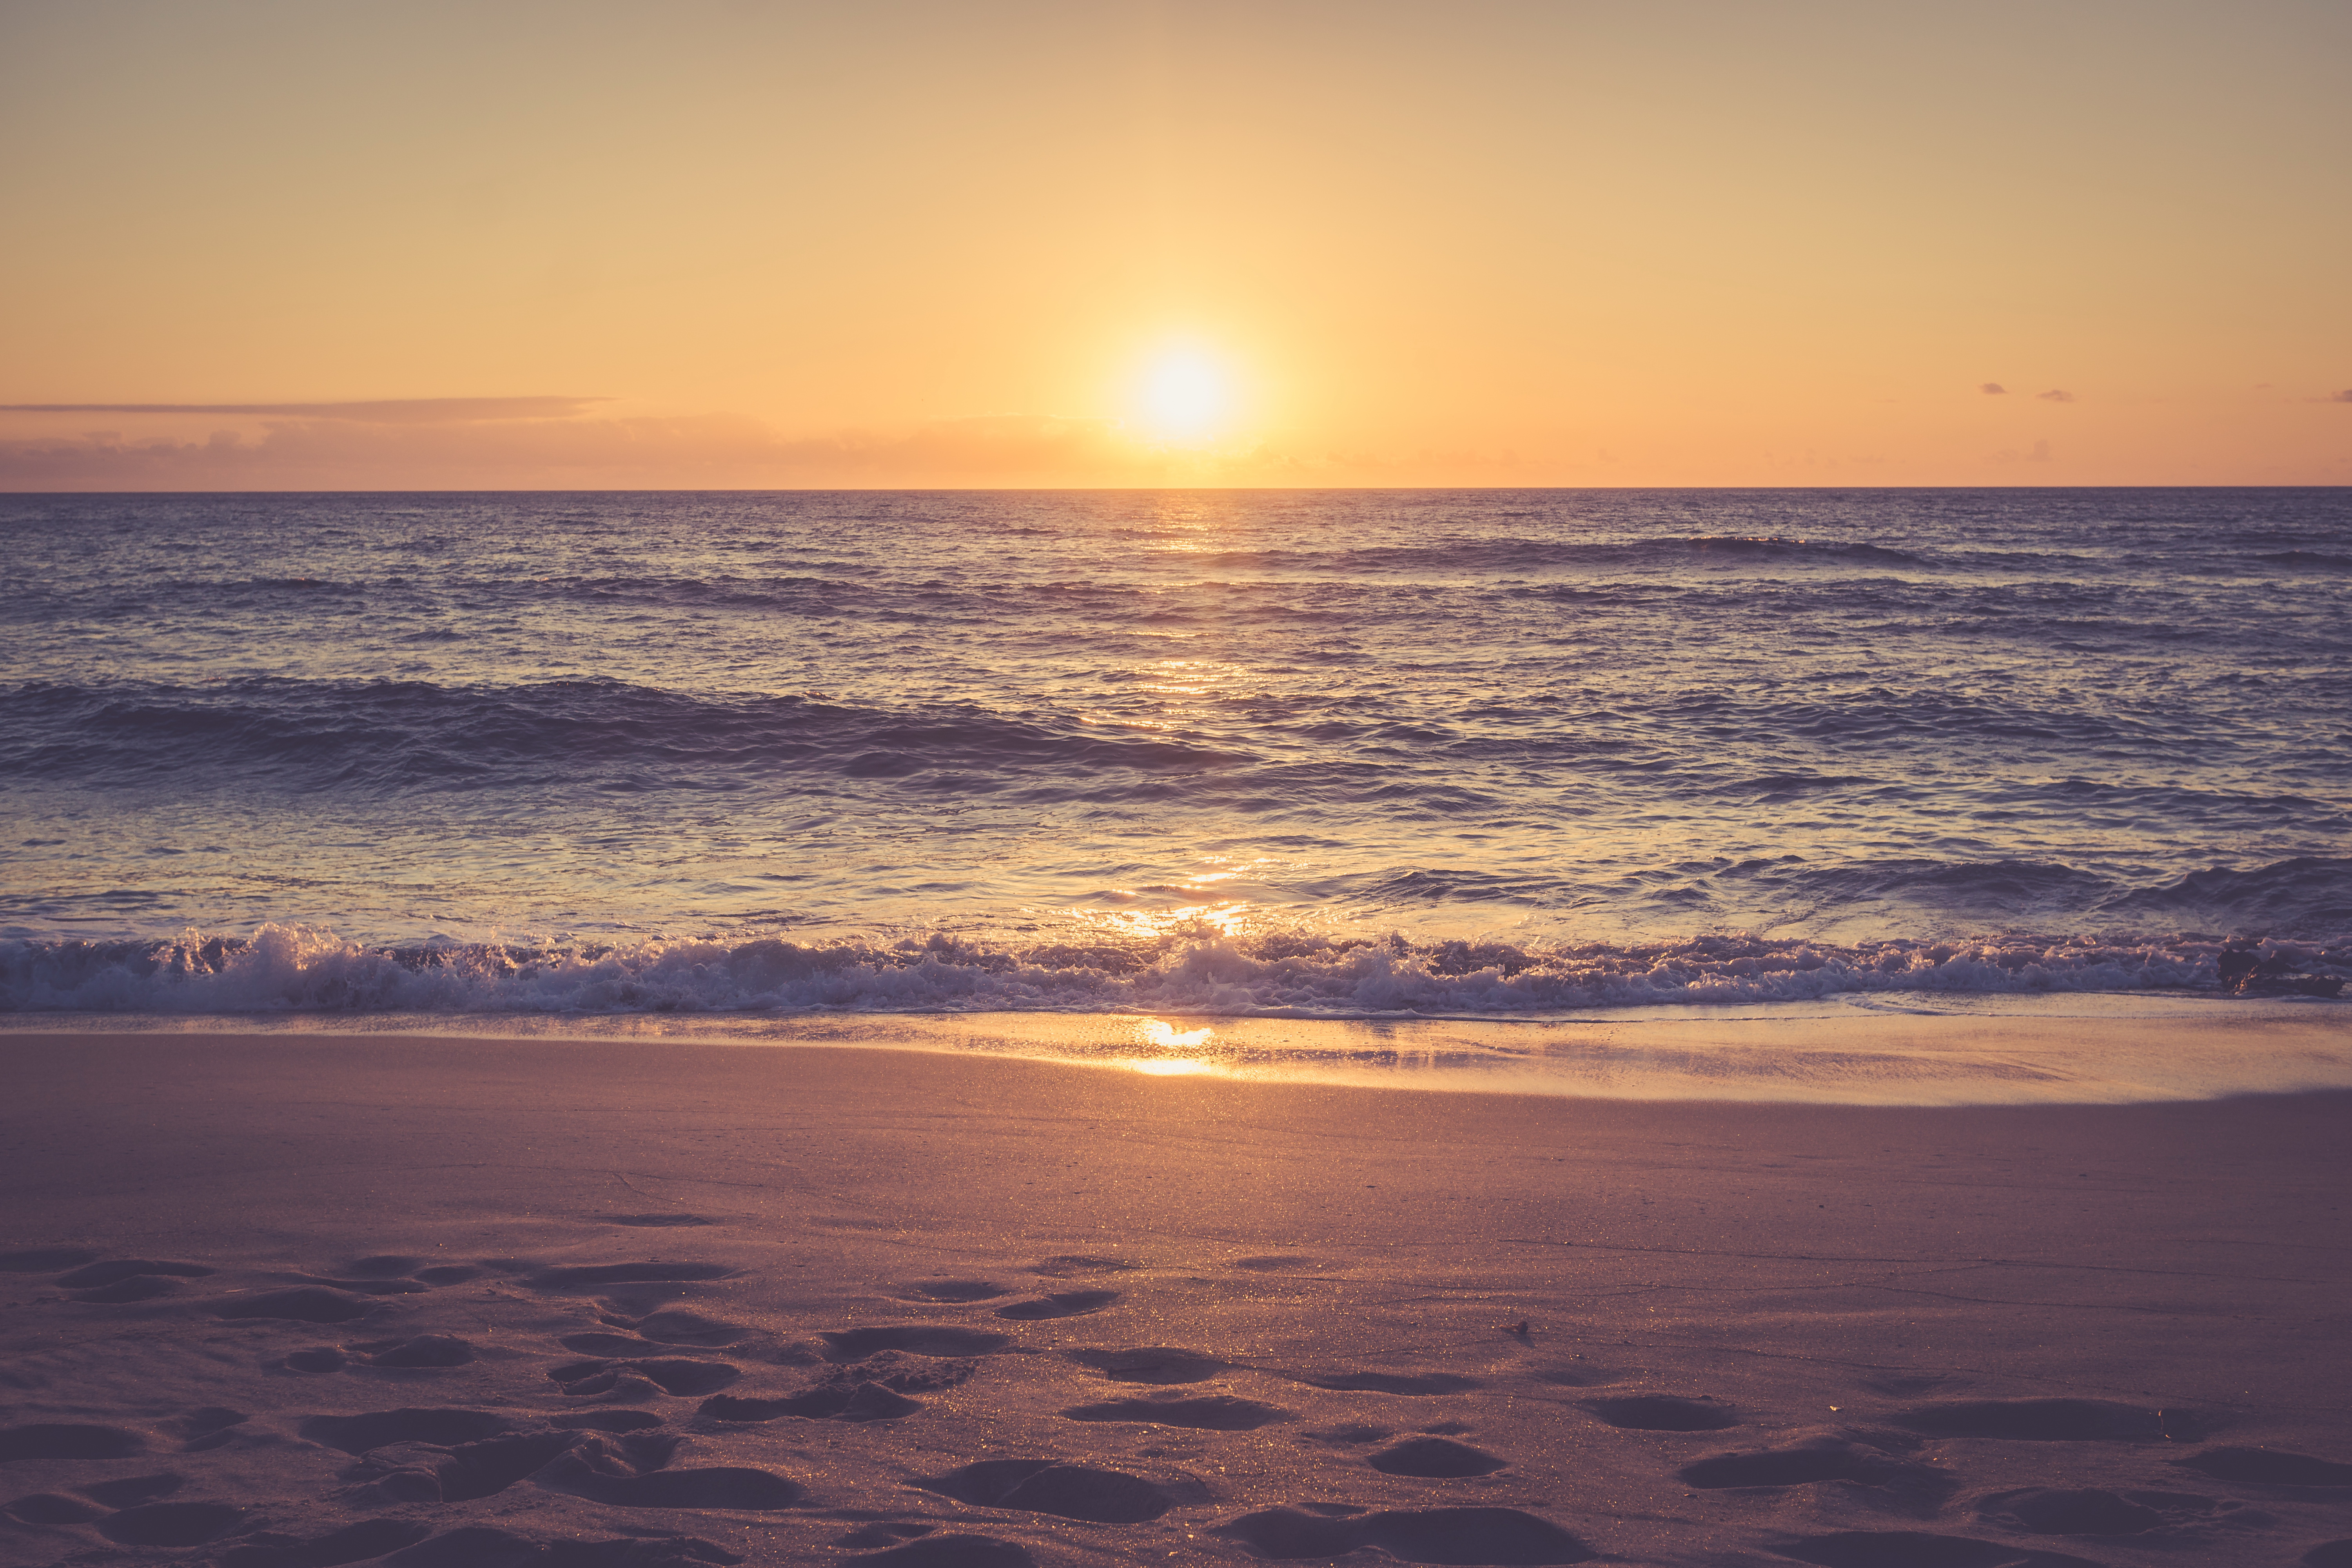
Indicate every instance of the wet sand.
{"type": "Point", "coordinates": [284, 1301]}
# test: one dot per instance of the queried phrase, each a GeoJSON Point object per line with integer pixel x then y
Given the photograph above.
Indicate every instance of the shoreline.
{"type": "Point", "coordinates": [1237, 1296]}
{"type": "Point", "coordinates": [1901, 1048]}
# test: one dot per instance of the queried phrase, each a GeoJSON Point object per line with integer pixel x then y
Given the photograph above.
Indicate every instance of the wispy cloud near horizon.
{"type": "Point", "coordinates": [379, 411]}
{"type": "Point", "coordinates": [708, 451]}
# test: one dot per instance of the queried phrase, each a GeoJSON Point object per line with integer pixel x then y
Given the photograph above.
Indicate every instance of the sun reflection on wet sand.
{"type": "Point", "coordinates": [1157, 1035]}
{"type": "Point", "coordinates": [1178, 1067]}
{"type": "Point", "coordinates": [1926, 1050]}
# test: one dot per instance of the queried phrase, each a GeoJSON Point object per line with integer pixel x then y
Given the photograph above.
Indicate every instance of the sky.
{"type": "Point", "coordinates": [900, 243]}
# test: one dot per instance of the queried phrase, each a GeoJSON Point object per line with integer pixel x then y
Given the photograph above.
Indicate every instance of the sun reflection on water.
{"type": "Point", "coordinates": [1167, 1037]}
{"type": "Point", "coordinates": [1157, 1035]}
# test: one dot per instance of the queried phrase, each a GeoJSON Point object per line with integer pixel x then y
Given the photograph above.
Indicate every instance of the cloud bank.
{"type": "Point", "coordinates": [385, 411]}
{"type": "Point", "coordinates": [503, 450]}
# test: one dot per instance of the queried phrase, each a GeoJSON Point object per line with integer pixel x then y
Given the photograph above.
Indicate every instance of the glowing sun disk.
{"type": "Point", "coordinates": [1184, 396]}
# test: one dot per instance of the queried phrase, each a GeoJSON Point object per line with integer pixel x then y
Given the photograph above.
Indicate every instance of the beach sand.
{"type": "Point", "coordinates": [286, 1302]}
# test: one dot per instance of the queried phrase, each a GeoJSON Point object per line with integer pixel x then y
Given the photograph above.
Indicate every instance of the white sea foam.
{"type": "Point", "coordinates": [285, 968]}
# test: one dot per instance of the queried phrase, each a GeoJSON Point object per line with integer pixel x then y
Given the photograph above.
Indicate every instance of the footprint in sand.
{"type": "Point", "coordinates": [922, 1339]}
{"type": "Point", "coordinates": [463, 1472]}
{"type": "Point", "coordinates": [953, 1551]}
{"type": "Point", "coordinates": [425, 1351]}
{"type": "Point", "coordinates": [676, 1326]}
{"type": "Point", "coordinates": [1492, 1535]}
{"type": "Point", "coordinates": [2268, 1467]}
{"type": "Point", "coordinates": [591, 1379]}
{"type": "Point", "coordinates": [1664, 1413]}
{"type": "Point", "coordinates": [882, 1532]}
{"type": "Point", "coordinates": [608, 1472]}
{"type": "Point", "coordinates": [1916, 1549]}
{"type": "Point", "coordinates": [1921, 1487]}
{"type": "Point", "coordinates": [449, 1274]}
{"type": "Point", "coordinates": [302, 1304]}
{"type": "Point", "coordinates": [825, 1402]}
{"type": "Point", "coordinates": [870, 1389]}
{"type": "Point", "coordinates": [669, 1327]}
{"type": "Point", "coordinates": [53, 1507]}
{"type": "Point", "coordinates": [138, 1288]}
{"type": "Point", "coordinates": [205, 1427]}
{"type": "Point", "coordinates": [1150, 1363]}
{"type": "Point", "coordinates": [45, 1259]}
{"type": "Point", "coordinates": [1077, 1263]}
{"type": "Point", "coordinates": [380, 1429]}
{"type": "Point", "coordinates": [2051, 1511]}
{"type": "Point", "coordinates": [1061, 1304]}
{"type": "Point", "coordinates": [594, 1275]}
{"type": "Point", "coordinates": [1208, 1413]}
{"type": "Point", "coordinates": [486, 1546]}
{"type": "Point", "coordinates": [171, 1523]}
{"type": "Point", "coordinates": [954, 1290]}
{"type": "Point", "coordinates": [115, 1271]}
{"type": "Point", "coordinates": [365, 1286]}
{"type": "Point", "coordinates": [605, 1420]}
{"type": "Point", "coordinates": [1349, 1435]}
{"type": "Point", "coordinates": [1436, 1459]}
{"type": "Point", "coordinates": [67, 1440]}
{"type": "Point", "coordinates": [1049, 1486]}
{"type": "Point", "coordinates": [122, 1280]}
{"type": "Point", "coordinates": [132, 1490]}
{"type": "Point", "coordinates": [353, 1543]}
{"type": "Point", "coordinates": [1385, 1382]}
{"type": "Point", "coordinates": [603, 1342]}
{"type": "Point", "coordinates": [2055, 1420]}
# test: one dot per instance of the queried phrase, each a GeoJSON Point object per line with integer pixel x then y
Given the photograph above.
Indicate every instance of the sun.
{"type": "Point", "coordinates": [1185, 397]}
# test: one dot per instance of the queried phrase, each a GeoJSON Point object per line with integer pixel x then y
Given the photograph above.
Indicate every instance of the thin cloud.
{"type": "Point", "coordinates": [1993, 389]}
{"type": "Point", "coordinates": [2054, 396]}
{"type": "Point", "coordinates": [383, 411]}
{"type": "Point", "coordinates": [2342, 396]}
{"type": "Point", "coordinates": [713, 452]}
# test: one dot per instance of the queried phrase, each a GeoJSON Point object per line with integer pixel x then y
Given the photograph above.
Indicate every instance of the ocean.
{"type": "Point", "coordinates": [1352, 754]}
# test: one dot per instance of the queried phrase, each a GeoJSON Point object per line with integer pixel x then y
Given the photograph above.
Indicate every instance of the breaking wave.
{"type": "Point", "coordinates": [296, 969]}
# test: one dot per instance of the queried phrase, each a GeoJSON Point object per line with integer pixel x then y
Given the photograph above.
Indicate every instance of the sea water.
{"type": "Point", "coordinates": [1342, 754]}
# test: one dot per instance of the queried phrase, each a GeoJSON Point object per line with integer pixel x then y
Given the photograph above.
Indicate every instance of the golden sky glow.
{"type": "Point", "coordinates": [944, 243]}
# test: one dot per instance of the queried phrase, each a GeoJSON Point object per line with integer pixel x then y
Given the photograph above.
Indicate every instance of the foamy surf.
{"type": "Point", "coordinates": [1271, 972]}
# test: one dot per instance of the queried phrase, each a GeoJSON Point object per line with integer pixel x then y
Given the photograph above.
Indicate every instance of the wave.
{"type": "Point", "coordinates": [1486, 553]}
{"type": "Point", "coordinates": [2307, 899]}
{"type": "Point", "coordinates": [294, 969]}
{"type": "Point", "coordinates": [399, 734]}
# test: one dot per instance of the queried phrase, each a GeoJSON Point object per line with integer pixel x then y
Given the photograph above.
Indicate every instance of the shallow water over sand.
{"type": "Point", "coordinates": [1886, 1048]}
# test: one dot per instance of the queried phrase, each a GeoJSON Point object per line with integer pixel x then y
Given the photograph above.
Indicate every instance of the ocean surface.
{"type": "Point", "coordinates": [1469, 754]}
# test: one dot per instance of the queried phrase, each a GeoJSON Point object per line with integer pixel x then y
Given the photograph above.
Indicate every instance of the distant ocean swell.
{"type": "Point", "coordinates": [292, 969]}
{"type": "Point", "coordinates": [388, 735]}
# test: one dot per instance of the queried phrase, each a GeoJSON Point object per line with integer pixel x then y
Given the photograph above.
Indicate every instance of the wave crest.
{"type": "Point", "coordinates": [297, 969]}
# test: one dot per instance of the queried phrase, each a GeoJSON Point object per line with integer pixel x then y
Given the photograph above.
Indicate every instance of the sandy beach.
{"type": "Point", "coordinates": [289, 1301]}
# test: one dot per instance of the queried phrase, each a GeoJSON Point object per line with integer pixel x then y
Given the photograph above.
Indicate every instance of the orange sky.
{"type": "Point", "coordinates": [906, 244]}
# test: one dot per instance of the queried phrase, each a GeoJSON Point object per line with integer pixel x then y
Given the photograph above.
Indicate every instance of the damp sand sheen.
{"type": "Point", "coordinates": [293, 1298]}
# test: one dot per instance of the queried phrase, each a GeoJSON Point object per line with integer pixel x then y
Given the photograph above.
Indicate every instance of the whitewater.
{"type": "Point", "coordinates": [1474, 754]}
